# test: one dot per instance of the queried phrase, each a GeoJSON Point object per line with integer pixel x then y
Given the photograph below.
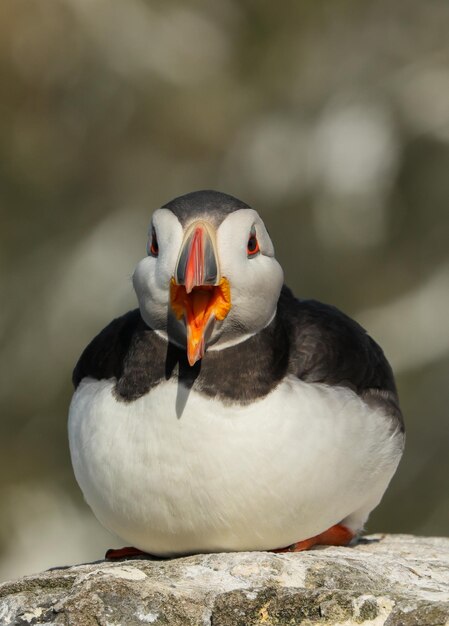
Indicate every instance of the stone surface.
{"type": "Point", "coordinates": [393, 580]}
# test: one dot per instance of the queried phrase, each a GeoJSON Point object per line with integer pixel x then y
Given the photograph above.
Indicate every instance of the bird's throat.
{"type": "Point", "coordinates": [199, 308]}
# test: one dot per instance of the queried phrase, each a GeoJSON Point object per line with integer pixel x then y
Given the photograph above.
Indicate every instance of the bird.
{"type": "Point", "coordinates": [223, 413]}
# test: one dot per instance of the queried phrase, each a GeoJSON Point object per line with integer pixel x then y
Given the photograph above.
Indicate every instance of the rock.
{"type": "Point", "coordinates": [392, 580]}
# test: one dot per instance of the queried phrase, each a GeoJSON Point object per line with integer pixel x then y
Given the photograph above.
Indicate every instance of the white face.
{"type": "Point", "coordinates": [255, 281]}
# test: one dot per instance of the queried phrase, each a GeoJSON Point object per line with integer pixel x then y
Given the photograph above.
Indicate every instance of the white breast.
{"type": "Point", "coordinates": [234, 477]}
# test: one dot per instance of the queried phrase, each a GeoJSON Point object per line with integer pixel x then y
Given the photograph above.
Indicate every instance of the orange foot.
{"type": "Point", "coordinates": [124, 553]}
{"type": "Point", "coordinates": [337, 535]}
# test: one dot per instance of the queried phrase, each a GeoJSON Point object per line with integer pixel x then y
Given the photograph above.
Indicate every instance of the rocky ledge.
{"type": "Point", "coordinates": [391, 580]}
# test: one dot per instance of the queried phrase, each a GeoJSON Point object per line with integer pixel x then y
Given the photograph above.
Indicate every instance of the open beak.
{"type": "Point", "coordinates": [197, 291]}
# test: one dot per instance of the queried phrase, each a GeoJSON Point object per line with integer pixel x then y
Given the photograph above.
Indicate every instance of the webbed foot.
{"type": "Point", "coordinates": [337, 535]}
{"type": "Point", "coordinates": [124, 553]}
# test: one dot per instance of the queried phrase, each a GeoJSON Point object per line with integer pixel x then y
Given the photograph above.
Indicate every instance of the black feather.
{"type": "Point", "coordinates": [313, 341]}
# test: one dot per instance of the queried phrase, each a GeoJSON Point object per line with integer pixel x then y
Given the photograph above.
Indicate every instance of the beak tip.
{"type": "Point", "coordinates": [193, 358]}
{"type": "Point", "coordinates": [195, 353]}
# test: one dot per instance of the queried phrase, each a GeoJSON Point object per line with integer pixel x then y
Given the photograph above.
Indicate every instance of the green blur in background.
{"type": "Point", "coordinates": [330, 118]}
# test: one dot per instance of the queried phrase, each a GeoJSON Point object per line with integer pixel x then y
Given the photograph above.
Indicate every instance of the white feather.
{"type": "Point", "coordinates": [223, 478]}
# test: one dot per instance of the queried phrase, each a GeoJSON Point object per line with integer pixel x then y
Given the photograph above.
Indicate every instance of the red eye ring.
{"type": "Point", "coordinates": [253, 247]}
{"type": "Point", "coordinates": [153, 245]}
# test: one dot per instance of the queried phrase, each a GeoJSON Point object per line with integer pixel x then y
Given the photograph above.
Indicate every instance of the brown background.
{"type": "Point", "coordinates": [330, 118]}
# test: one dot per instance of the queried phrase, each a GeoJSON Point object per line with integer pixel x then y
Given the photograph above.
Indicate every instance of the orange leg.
{"type": "Point", "coordinates": [123, 553]}
{"type": "Point", "coordinates": [337, 535]}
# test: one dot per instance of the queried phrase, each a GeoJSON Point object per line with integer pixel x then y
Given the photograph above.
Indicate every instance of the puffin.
{"type": "Point", "coordinates": [225, 414]}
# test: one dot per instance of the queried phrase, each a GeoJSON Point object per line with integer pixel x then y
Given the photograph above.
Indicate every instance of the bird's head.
{"type": "Point", "coordinates": [210, 276]}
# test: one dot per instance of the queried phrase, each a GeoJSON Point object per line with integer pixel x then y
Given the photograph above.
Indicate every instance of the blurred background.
{"type": "Point", "coordinates": [330, 118]}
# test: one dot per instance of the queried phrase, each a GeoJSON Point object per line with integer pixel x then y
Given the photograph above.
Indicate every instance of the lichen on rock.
{"type": "Point", "coordinates": [392, 580]}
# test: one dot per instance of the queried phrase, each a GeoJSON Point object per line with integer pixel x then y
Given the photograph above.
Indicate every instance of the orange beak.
{"type": "Point", "coordinates": [197, 292]}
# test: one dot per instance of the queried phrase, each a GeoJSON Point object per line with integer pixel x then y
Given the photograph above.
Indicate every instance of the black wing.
{"type": "Point", "coordinates": [105, 355]}
{"type": "Point", "coordinates": [329, 347]}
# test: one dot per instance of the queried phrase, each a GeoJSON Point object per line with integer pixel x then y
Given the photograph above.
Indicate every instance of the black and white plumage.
{"type": "Point", "coordinates": [268, 422]}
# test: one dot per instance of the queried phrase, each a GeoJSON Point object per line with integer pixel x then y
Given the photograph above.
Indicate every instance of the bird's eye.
{"type": "Point", "coordinates": [253, 245]}
{"type": "Point", "coordinates": [153, 246]}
